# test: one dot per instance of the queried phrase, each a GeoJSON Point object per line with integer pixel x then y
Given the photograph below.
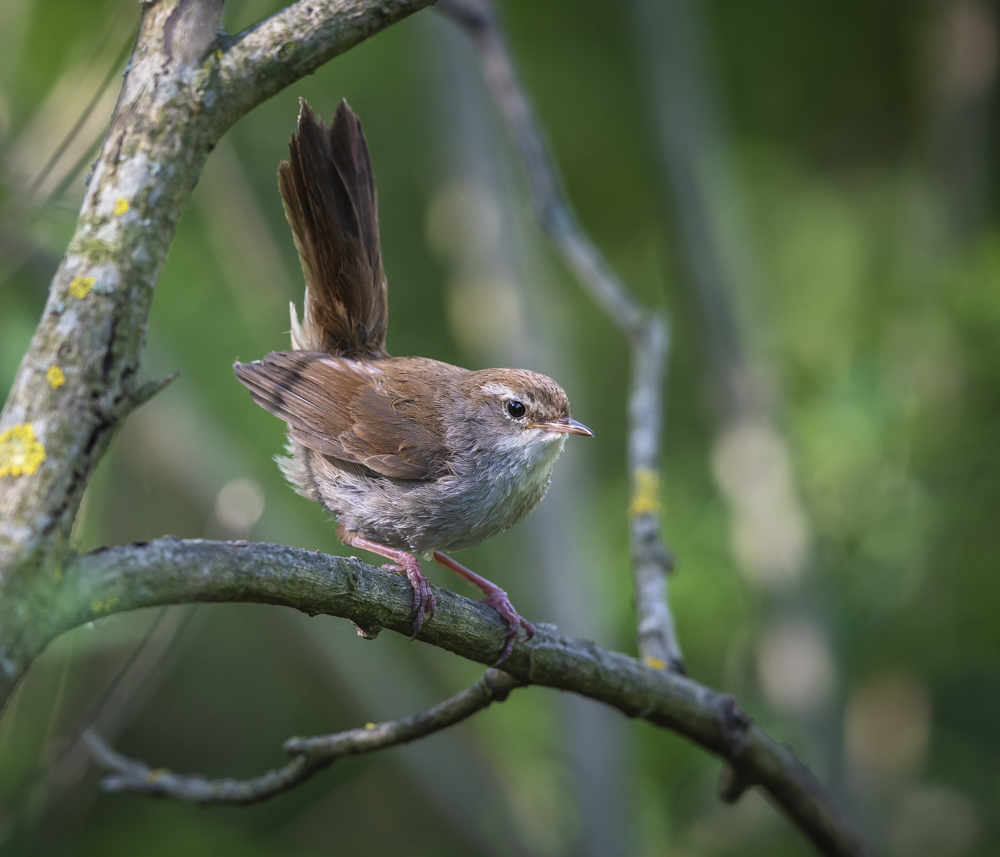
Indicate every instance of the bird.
{"type": "Point", "coordinates": [410, 455]}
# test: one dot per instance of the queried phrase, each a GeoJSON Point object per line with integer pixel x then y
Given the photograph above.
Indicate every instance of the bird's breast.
{"type": "Point", "coordinates": [483, 495]}
{"type": "Point", "coordinates": [508, 484]}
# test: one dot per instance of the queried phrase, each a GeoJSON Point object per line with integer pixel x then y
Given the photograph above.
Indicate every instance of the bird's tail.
{"type": "Point", "coordinates": [328, 192]}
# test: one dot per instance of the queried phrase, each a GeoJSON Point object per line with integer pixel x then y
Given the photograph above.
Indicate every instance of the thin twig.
{"type": "Point", "coordinates": [70, 136]}
{"type": "Point", "coordinates": [647, 334]}
{"type": "Point", "coordinates": [311, 754]}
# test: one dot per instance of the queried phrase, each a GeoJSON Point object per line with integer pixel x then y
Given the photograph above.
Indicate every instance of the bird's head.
{"type": "Point", "coordinates": [515, 411]}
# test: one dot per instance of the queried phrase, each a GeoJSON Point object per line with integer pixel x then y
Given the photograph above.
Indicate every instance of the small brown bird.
{"type": "Point", "coordinates": [411, 455]}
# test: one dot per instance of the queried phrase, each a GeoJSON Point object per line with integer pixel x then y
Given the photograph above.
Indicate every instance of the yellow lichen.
{"type": "Point", "coordinates": [121, 206]}
{"type": "Point", "coordinates": [369, 726]}
{"type": "Point", "coordinates": [81, 286]}
{"type": "Point", "coordinates": [55, 377]}
{"type": "Point", "coordinates": [655, 663]}
{"type": "Point", "coordinates": [105, 605]}
{"type": "Point", "coordinates": [645, 493]}
{"type": "Point", "coordinates": [20, 451]}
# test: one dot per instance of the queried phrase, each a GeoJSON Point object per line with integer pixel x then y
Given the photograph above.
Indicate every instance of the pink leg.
{"type": "Point", "coordinates": [423, 598]}
{"type": "Point", "coordinates": [495, 598]}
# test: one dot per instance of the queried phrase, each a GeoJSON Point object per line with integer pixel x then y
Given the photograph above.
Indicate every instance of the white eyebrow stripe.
{"type": "Point", "coordinates": [496, 389]}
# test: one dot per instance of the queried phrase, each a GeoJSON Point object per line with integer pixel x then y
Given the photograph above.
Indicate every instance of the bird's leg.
{"type": "Point", "coordinates": [495, 598]}
{"type": "Point", "coordinates": [423, 598]}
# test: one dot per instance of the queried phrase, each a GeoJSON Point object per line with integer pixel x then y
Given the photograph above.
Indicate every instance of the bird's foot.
{"type": "Point", "coordinates": [495, 598]}
{"type": "Point", "coordinates": [423, 598]}
{"type": "Point", "coordinates": [498, 600]}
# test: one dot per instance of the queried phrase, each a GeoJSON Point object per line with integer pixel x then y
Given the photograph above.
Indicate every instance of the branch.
{"type": "Point", "coordinates": [312, 754]}
{"type": "Point", "coordinates": [172, 571]}
{"type": "Point", "coordinates": [647, 335]}
{"type": "Point", "coordinates": [265, 58]}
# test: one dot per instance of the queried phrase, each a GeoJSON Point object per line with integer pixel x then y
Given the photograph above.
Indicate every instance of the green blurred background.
{"type": "Point", "coordinates": [808, 189]}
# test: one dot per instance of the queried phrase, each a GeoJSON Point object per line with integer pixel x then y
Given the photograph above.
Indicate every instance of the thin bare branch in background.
{"type": "Point", "coordinates": [312, 755]}
{"type": "Point", "coordinates": [752, 459]}
{"type": "Point", "coordinates": [647, 334]}
{"type": "Point", "coordinates": [77, 126]}
{"type": "Point", "coordinates": [504, 276]}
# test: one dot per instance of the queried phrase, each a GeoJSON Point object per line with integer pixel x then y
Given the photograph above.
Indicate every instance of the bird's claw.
{"type": "Point", "coordinates": [499, 601]}
{"type": "Point", "coordinates": [423, 598]}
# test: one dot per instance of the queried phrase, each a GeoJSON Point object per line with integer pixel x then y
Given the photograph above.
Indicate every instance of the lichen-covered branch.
{"type": "Point", "coordinates": [647, 334]}
{"type": "Point", "coordinates": [173, 571]}
{"type": "Point", "coordinates": [78, 381]}
{"type": "Point", "coordinates": [311, 755]}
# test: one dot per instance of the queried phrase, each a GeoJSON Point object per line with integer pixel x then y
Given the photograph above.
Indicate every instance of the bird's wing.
{"type": "Point", "coordinates": [351, 410]}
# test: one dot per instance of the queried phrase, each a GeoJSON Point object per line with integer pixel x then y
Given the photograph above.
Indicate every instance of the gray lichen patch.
{"type": "Point", "coordinates": [141, 255]}
{"type": "Point", "coordinates": [109, 234]}
{"type": "Point", "coordinates": [67, 324]}
{"type": "Point", "coordinates": [131, 177]}
{"type": "Point", "coordinates": [107, 278]}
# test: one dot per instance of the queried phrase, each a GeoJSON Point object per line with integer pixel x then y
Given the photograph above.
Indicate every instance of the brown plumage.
{"type": "Point", "coordinates": [411, 455]}
{"type": "Point", "coordinates": [328, 192]}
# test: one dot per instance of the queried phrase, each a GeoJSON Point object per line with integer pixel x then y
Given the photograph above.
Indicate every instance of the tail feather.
{"type": "Point", "coordinates": [329, 197]}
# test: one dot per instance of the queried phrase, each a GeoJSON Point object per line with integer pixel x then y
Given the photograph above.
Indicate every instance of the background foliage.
{"type": "Point", "coordinates": [861, 139]}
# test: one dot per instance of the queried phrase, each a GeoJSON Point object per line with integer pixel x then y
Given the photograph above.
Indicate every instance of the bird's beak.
{"type": "Point", "coordinates": [565, 426]}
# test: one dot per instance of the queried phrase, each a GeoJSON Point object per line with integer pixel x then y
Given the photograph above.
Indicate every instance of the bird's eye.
{"type": "Point", "coordinates": [515, 409]}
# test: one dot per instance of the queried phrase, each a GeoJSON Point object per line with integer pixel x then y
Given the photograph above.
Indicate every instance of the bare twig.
{"type": "Point", "coordinates": [131, 775]}
{"type": "Point", "coordinates": [752, 458]}
{"type": "Point", "coordinates": [173, 571]}
{"type": "Point", "coordinates": [647, 334]}
{"type": "Point", "coordinates": [81, 120]}
{"type": "Point", "coordinates": [311, 754]}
